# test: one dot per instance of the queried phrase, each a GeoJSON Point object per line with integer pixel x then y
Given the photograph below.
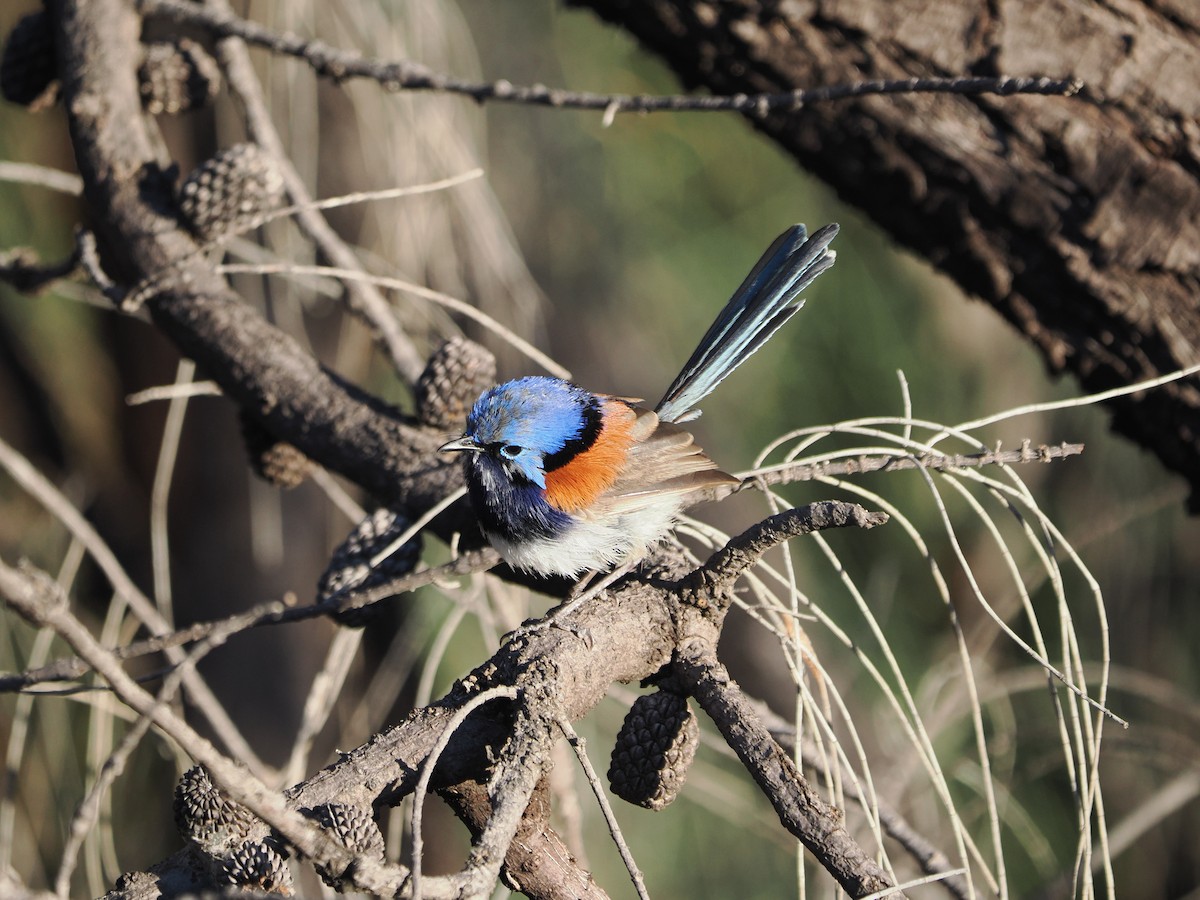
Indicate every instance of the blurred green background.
{"type": "Point", "coordinates": [636, 234]}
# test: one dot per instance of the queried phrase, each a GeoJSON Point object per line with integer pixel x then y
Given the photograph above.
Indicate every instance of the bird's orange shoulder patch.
{"type": "Point", "coordinates": [577, 484]}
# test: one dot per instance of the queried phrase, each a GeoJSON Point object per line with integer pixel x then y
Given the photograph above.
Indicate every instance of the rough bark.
{"type": "Point", "coordinates": [1078, 219]}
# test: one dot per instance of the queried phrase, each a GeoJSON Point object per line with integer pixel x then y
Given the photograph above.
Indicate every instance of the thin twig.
{"type": "Point", "coordinates": [100, 856]}
{"type": "Point", "coordinates": [339, 65]}
{"type": "Point", "coordinates": [164, 471]}
{"type": "Point", "coordinates": [16, 747]}
{"type": "Point", "coordinates": [40, 601]}
{"type": "Point", "coordinates": [89, 260]}
{"type": "Point", "coordinates": [322, 695]}
{"type": "Point", "coordinates": [132, 300]}
{"type": "Point", "coordinates": [935, 878]}
{"type": "Point", "coordinates": [355, 197]}
{"type": "Point", "coordinates": [614, 829]}
{"type": "Point", "coordinates": [89, 808]}
{"type": "Point", "coordinates": [409, 533]}
{"type": "Point", "coordinates": [435, 655]}
{"type": "Point", "coordinates": [364, 300]}
{"type": "Point", "coordinates": [337, 495]}
{"type": "Point", "coordinates": [41, 176]}
{"type": "Point", "coordinates": [399, 284]}
{"type": "Point", "coordinates": [40, 488]}
{"type": "Point", "coordinates": [273, 612]}
{"type": "Point", "coordinates": [788, 473]}
{"type": "Point", "coordinates": [171, 391]}
{"type": "Point", "coordinates": [501, 692]}
{"type": "Point", "coordinates": [1070, 402]}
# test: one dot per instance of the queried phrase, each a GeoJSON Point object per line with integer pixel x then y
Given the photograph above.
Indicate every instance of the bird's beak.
{"type": "Point", "coordinates": [463, 443]}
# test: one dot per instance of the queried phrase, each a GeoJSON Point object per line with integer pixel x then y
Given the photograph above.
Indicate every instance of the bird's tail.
{"type": "Point", "coordinates": [768, 297]}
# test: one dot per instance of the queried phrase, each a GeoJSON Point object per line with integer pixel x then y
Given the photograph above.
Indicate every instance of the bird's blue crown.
{"type": "Point", "coordinates": [532, 422]}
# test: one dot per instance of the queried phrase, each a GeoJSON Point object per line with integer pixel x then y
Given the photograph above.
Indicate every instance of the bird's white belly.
{"type": "Point", "coordinates": [591, 544]}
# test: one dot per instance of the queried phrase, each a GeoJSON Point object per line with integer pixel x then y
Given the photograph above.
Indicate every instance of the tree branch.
{"type": "Point", "coordinates": [37, 598]}
{"type": "Point", "coordinates": [789, 473]}
{"type": "Point", "coordinates": [800, 809]}
{"type": "Point", "coordinates": [339, 64]}
{"type": "Point", "coordinates": [273, 612]}
{"type": "Point", "coordinates": [725, 566]}
{"type": "Point", "coordinates": [263, 369]}
{"type": "Point", "coordinates": [21, 268]}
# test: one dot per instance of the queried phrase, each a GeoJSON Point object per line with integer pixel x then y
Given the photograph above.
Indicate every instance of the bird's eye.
{"type": "Point", "coordinates": [510, 451]}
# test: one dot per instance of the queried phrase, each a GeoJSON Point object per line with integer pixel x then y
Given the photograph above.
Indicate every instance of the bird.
{"type": "Point", "coordinates": [567, 482]}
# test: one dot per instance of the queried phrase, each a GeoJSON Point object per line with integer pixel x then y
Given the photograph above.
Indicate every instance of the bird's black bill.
{"type": "Point", "coordinates": [459, 445]}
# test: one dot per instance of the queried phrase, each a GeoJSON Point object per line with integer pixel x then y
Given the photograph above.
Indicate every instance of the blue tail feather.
{"type": "Point", "coordinates": [768, 297]}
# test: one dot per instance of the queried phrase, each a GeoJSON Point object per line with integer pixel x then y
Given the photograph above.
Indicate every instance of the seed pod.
{"type": "Point", "coordinates": [355, 829]}
{"type": "Point", "coordinates": [350, 566]}
{"type": "Point", "coordinates": [207, 820]}
{"type": "Point", "coordinates": [218, 832]}
{"type": "Point", "coordinates": [456, 374]}
{"type": "Point", "coordinates": [654, 749]}
{"type": "Point", "coordinates": [228, 193]}
{"type": "Point", "coordinates": [28, 73]}
{"type": "Point", "coordinates": [258, 865]}
{"type": "Point", "coordinates": [276, 461]}
{"type": "Point", "coordinates": [176, 76]}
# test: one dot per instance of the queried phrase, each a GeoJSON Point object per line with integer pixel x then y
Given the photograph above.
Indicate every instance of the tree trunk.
{"type": "Point", "coordinates": [1077, 218]}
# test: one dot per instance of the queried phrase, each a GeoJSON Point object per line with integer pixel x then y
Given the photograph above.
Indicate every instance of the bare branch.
{"type": "Point", "coordinates": [273, 612]}
{"type": "Point", "coordinates": [90, 807]}
{"type": "Point", "coordinates": [801, 810]}
{"type": "Point", "coordinates": [42, 176]}
{"type": "Point", "coordinates": [726, 565]}
{"type": "Point", "coordinates": [21, 268]}
{"type": "Point", "coordinates": [37, 598]}
{"type": "Point", "coordinates": [73, 520]}
{"type": "Point", "coordinates": [789, 473]}
{"type": "Point", "coordinates": [580, 747]}
{"type": "Point", "coordinates": [427, 767]}
{"type": "Point", "coordinates": [339, 64]}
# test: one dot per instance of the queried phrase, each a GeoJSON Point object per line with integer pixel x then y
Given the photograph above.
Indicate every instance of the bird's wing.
{"type": "Point", "coordinates": [663, 460]}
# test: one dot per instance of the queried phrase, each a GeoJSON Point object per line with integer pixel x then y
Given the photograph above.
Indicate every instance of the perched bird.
{"type": "Point", "coordinates": [565, 481]}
